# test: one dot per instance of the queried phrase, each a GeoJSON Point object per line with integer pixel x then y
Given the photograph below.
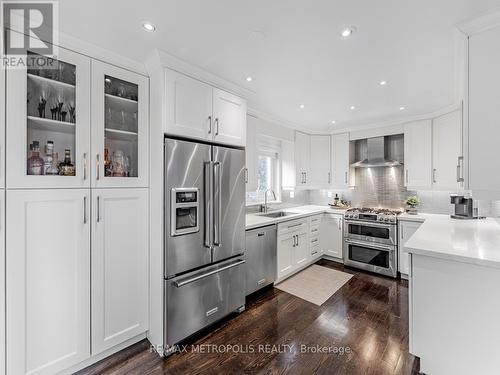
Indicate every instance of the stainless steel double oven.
{"type": "Point", "coordinates": [371, 244]}
{"type": "Point", "coordinates": [204, 274]}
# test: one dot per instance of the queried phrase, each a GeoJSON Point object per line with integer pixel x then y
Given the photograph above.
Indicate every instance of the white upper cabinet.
{"type": "Point", "coordinates": [229, 118]}
{"type": "Point", "coordinates": [483, 120]}
{"type": "Point", "coordinates": [120, 123]}
{"type": "Point", "coordinates": [302, 158]}
{"type": "Point", "coordinates": [197, 110]}
{"type": "Point", "coordinates": [340, 161]}
{"type": "Point", "coordinates": [446, 150]}
{"type": "Point", "coordinates": [189, 107]}
{"type": "Point", "coordinates": [48, 121]}
{"type": "Point", "coordinates": [119, 266]}
{"type": "Point", "coordinates": [251, 158]}
{"type": "Point", "coordinates": [48, 280]}
{"type": "Point", "coordinates": [418, 155]}
{"type": "Point", "coordinates": [320, 159]}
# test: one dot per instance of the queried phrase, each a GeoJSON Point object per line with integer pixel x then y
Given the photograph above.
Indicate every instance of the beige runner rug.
{"type": "Point", "coordinates": [315, 284]}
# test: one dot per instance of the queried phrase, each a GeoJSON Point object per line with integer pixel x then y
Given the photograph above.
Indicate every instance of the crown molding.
{"type": "Point", "coordinates": [482, 23]}
{"type": "Point", "coordinates": [181, 66]}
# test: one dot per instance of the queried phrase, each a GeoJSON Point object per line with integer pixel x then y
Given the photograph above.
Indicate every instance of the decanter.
{"type": "Point", "coordinates": [35, 162]}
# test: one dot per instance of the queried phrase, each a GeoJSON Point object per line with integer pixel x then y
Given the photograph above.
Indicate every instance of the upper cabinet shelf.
{"type": "Point", "coordinates": [50, 81]}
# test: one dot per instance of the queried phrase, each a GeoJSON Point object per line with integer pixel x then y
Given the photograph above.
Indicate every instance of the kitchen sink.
{"type": "Point", "coordinates": [278, 214]}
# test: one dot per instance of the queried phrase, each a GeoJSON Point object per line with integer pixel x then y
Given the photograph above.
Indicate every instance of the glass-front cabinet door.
{"type": "Point", "coordinates": [119, 127]}
{"type": "Point", "coordinates": [48, 122]}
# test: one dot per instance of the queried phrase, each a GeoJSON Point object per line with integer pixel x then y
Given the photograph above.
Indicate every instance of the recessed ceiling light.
{"type": "Point", "coordinates": [249, 79]}
{"type": "Point", "coordinates": [148, 26]}
{"type": "Point", "coordinates": [402, 108]}
{"type": "Point", "coordinates": [302, 106]}
{"type": "Point", "coordinates": [333, 122]}
{"type": "Point", "coordinates": [352, 108]}
{"type": "Point", "coordinates": [382, 83]}
{"type": "Point", "coordinates": [347, 32]}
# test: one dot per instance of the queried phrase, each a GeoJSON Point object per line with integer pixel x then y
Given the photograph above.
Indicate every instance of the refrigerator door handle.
{"type": "Point", "coordinates": [217, 196]}
{"type": "Point", "coordinates": [208, 202]}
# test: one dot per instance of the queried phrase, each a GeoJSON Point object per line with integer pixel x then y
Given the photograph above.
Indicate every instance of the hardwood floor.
{"type": "Point", "coordinates": [368, 316]}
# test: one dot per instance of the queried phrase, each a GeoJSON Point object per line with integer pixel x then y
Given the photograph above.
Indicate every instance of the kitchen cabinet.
{"type": "Point", "coordinates": [47, 280]}
{"type": "Point", "coordinates": [2, 130]}
{"type": "Point", "coordinates": [261, 258]}
{"type": "Point", "coordinates": [229, 113]}
{"type": "Point", "coordinates": [293, 246]}
{"type": "Point", "coordinates": [331, 237]}
{"type": "Point", "coordinates": [189, 106]}
{"type": "Point", "coordinates": [197, 110]}
{"type": "Point", "coordinates": [119, 266]}
{"type": "Point", "coordinates": [418, 154]}
{"type": "Point", "coordinates": [2, 281]}
{"type": "Point", "coordinates": [341, 155]}
{"type": "Point", "coordinates": [320, 159]}
{"type": "Point", "coordinates": [446, 150]}
{"type": "Point", "coordinates": [302, 158]}
{"type": "Point", "coordinates": [251, 157]}
{"type": "Point", "coordinates": [482, 132]}
{"type": "Point", "coordinates": [120, 123]}
{"type": "Point", "coordinates": [48, 106]}
{"type": "Point", "coordinates": [285, 258]}
{"type": "Point", "coordinates": [314, 233]}
{"type": "Point", "coordinates": [406, 230]}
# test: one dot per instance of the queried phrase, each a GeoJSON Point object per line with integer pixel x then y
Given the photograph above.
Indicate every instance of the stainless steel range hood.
{"type": "Point", "coordinates": [376, 155]}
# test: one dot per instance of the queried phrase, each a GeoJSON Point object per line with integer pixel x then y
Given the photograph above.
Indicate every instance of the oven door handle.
{"type": "Point", "coordinates": [370, 244]}
{"type": "Point", "coordinates": [370, 223]}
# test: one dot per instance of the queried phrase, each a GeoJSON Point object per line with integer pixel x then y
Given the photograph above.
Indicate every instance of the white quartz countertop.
{"type": "Point", "coordinates": [257, 220]}
{"type": "Point", "coordinates": [468, 241]}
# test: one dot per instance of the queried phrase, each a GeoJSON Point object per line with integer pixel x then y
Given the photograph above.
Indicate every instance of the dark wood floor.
{"type": "Point", "coordinates": [368, 315]}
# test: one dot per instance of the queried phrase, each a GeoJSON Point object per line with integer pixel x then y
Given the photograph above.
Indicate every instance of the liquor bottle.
{"type": "Point", "coordinates": [47, 159]}
{"type": "Point", "coordinates": [35, 162]}
{"type": "Point", "coordinates": [107, 163]}
{"type": "Point", "coordinates": [66, 168]}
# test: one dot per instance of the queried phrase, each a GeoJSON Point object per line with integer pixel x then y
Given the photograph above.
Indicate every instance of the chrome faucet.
{"type": "Point", "coordinates": [264, 207]}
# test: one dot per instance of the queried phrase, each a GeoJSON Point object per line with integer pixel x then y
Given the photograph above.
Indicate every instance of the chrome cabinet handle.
{"type": "Point", "coordinates": [329, 177]}
{"type": "Point", "coordinates": [460, 177]}
{"type": "Point", "coordinates": [98, 208]}
{"type": "Point", "coordinates": [85, 166]}
{"type": "Point", "coordinates": [209, 124]}
{"type": "Point", "coordinates": [406, 176]}
{"type": "Point", "coordinates": [346, 177]}
{"type": "Point", "coordinates": [246, 175]}
{"type": "Point", "coordinates": [340, 224]}
{"type": "Point", "coordinates": [261, 234]}
{"type": "Point", "coordinates": [295, 225]}
{"type": "Point", "coordinates": [294, 240]}
{"type": "Point", "coordinates": [434, 176]}
{"type": "Point", "coordinates": [305, 177]}
{"type": "Point", "coordinates": [297, 240]}
{"type": "Point", "coordinates": [216, 126]}
{"type": "Point", "coordinates": [97, 167]}
{"type": "Point", "coordinates": [85, 209]}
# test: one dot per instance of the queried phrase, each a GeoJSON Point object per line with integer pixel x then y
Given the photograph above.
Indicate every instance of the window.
{"type": "Point", "coordinates": [268, 171]}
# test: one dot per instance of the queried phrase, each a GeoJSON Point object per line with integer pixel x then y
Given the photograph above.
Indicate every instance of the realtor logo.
{"type": "Point", "coordinates": [29, 25]}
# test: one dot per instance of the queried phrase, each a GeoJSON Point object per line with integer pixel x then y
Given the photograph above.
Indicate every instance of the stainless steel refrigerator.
{"type": "Point", "coordinates": [204, 236]}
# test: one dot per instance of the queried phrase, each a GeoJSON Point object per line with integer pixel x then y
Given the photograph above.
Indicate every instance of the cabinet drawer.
{"type": "Point", "coordinates": [298, 226]}
{"type": "Point", "coordinates": [314, 231]}
{"type": "Point", "coordinates": [315, 220]}
{"type": "Point", "coordinates": [315, 250]}
{"type": "Point", "coordinates": [203, 297]}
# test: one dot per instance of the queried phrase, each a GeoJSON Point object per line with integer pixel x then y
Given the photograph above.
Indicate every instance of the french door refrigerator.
{"type": "Point", "coordinates": [204, 268]}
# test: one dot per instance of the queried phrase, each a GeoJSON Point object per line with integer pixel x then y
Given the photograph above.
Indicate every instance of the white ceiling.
{"type": "Point", "coordinates": [294, 52]}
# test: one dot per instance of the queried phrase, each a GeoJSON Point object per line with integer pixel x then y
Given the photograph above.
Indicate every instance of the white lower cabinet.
{"type": "Point", "coordinates": [331, 236]}
{"type": "Point", "coordinates": [406, 230]}
{"type": "Point", "coordinates": [2, 282]}
{"type": "Point", "coordinates": [47, 280]}
{"type": "Point", "coordinates": [119, 266]}
{"type": "Point", "coordinates": [286, 245]}
{"type": "Point", "coordinates": [293, 246]}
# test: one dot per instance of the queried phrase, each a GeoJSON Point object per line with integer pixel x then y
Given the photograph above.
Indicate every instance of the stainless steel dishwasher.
{"type": "Point", "coordinates": [261, 257]}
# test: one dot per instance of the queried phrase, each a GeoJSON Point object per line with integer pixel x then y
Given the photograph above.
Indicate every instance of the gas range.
{"type": "Point", "coordinates": [381, 215]}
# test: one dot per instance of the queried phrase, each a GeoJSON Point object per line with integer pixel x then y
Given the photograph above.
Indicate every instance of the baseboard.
{"type": "Point", "coordinates": [104, 354]}
{"type": "Point", "coordinates": [332, 259]}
